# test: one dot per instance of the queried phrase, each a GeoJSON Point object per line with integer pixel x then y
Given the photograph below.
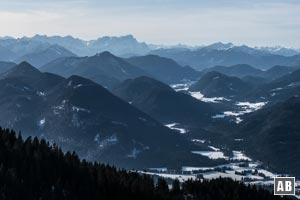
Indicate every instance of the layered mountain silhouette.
{"type": "Point", "coordinates": [277, 90]}
{"type": "Point", "coordinates": [163, 103]}
{"type": "Point", "coordinates": [35, 52]}
{"type": "Point", "coordinates": [109, 70]}
{"type": "Point", "coordinates": [240, 70]}
{"type": "Point", "coordinates": [81, 115]}
{"type": "Point", "coordinates": [205, 58]}
{"type": "Point", "coordinates": [103, 68]}
{"type": "Point", "coordinates": [40, 58]}
{"type": "Point", "coordinates": [122, 46]}
{"type": "Point", "coordinates": [244, 71]}
{"type": "Point", "coordinates": [164, 69]}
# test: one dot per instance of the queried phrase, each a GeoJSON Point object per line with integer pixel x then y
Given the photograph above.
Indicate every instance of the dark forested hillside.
{"type": "Point", "coordinates": [164, 104]}
{"type": "Point", "coordinates": [33, 169]}
{"type": "Point", "coordinates": [272, 135]}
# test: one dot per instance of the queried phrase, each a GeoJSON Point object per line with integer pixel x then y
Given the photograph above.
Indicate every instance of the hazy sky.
{"type": "Point", "coordinates": [193, 22]}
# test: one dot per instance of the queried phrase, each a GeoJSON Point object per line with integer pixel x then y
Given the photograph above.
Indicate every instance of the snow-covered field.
{"type": "Point", "coordinates": [242, 108]}
{"type": "Point", "coordinates": [201, 97]}
{"type": "Point", "coordinates": [173, 126]}
{"type": "Point", "coordinates": [211, 154]}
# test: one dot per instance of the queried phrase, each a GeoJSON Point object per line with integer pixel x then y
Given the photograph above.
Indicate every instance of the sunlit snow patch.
{"type": "Point", "coordinates": [245, 107]}
{"type": "Point", "coordinates": [159, 169]}
{"type": "Point", "coordinates": [238, 155]}
{"type": "Point", "coordinates": [200, 96]}
{"type": "Point", "coordinates": [172, 126]}
{"type": "Point", "coordinates": [211, 154]}
{"type": "Point", "coordinates": [42, 122]}
{"type": "Point", "coordinates": [198, 141]}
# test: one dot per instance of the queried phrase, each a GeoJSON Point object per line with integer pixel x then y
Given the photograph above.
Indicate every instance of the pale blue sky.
{"type": "Point", "coordinates": [193, 22]}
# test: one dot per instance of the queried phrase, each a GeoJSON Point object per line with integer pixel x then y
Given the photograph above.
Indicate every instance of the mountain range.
{"type": "Point", "coordinates": [205, 57]}
{"type": "Point", "coordinates": [78, 114]}
{"type": "Point", "coordinates": [199, 57]}
{"type": "Point", "coordinates": [109, 70]}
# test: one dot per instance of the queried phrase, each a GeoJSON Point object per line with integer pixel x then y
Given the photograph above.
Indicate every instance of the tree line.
{"type": "Point", "coordinates": [33, 169]}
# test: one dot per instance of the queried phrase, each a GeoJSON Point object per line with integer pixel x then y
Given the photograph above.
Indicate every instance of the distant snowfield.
{"type": "Point", "coordinates": [238, 155]}
{"type": "Point", "coordinates": [182, 86]}
{"type": "Point", "coordinates": [201, 97]}
{"type": "Point", "coordinates": [218, 154]}
{"type": "Point", "coordinates": [211, 154]}
{"type": "Point", "coordinates": [180, 130]}
{"type": "Point", "coordinates": [243, 108]}
{"type": "Point", "coordinates": [241, 171]}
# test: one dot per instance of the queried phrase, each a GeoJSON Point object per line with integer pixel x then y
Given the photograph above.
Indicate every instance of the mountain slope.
{"type": "Point", "coordinates": [81, 115]}
{"type": "Point", "coordinates": [6, 54]}
{"type": "Point", "coordinates": [277, 90]}
{"type": "Point", "coordinates": [5, 66]}
{"type": "Point", "coordinates": [163, 103]}
{"type": "Point", "coordinates": [215, 84]}
{"type": "Point", "coordinates": [40, 58]}
{"type": "Point", "coordinates": [164, 69]}
{"type": "Point", "coordinates": [272, 135]}
{"type": "Point", "coordinates": [240, 70]}
{"type": "Point", "coordinates": [103, 68]}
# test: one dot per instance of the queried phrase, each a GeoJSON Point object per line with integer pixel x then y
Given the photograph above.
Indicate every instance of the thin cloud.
{"type": "Point", "coordinates": [268, 22]}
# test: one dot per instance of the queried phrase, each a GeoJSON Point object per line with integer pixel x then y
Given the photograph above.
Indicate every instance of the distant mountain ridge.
{"type": "Point", "coordinates": [109, 70]}
{"type": "Point", "coordinates": [164, 69]}
{"type": "Point", "coordinates": [203, 58]}
{"type": "Point", "coordinates": [243, 70]}
{"type": "Point", "coordinates": [198, 57]}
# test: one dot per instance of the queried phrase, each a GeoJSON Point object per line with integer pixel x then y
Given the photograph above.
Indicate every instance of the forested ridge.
{"type": "Point", "coordinates": [34, 169]}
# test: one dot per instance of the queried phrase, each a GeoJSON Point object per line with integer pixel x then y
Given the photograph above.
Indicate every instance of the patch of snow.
{"type": "Point", "coordinates": [42, 122]}
{"type": "Point", "coordinates": [97, 137]}
{"type": "Point", "coordinates": [214, 148]}
{"type": "Point", "coordinates": [77, 109]}
{"type": "Point", "coordinates": [200, 96]}
{"type": "Point", "coordinates": [198, 141]}
{"type": "Point", "coordinates": [294, 84]}
{"type": "Point", "coordinates": [41, 94]}
{"type": "Point", "coordinates": [218, 116]}
{"type": "Point", "coordinates": [159, 169]}
{"type": "Point", "coordinates": [107, 141]}
{"type": "Point", "coordinates": [191, 169]}
{"type": "Point", "coordinates": [134, 153]}
{"type": "Point", "coordinates": [214, 175]}
{"type": "Point", "coordinates": [143, 119]}
{"type": "Point", "coordinates": [276, 89]}
{"type": "Point", "coordinates": [238, 155]}
{"type": "Point", "coordinates": [211, 154]}
{"type": "Point", "coordinates": [172, 126]}
{"type": "Point", "coordinates": [252, 106]}
{"type": "Point", "coordinates": [238, 139]}
{"type": "Point", "coordinates": [181, 86]}
{"type": "Point", "coordinates": [180, 177]}
{"type": "Point", "coordinates": [77, 86]}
